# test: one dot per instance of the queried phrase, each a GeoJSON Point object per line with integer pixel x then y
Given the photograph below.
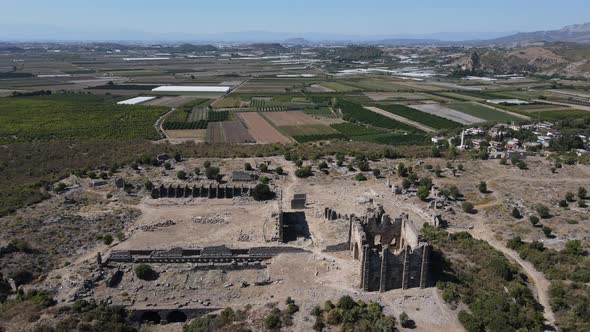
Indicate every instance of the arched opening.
{"type": "Point", "coordinates": [176, 316]}
{"type": "Point", "coordinates": [355, 251]}
{"type": "Point", "coordinates": [150, 317]}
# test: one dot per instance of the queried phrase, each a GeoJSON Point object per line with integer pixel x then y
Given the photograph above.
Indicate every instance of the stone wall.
{"type": "Point", "coordinates": [210, 191]}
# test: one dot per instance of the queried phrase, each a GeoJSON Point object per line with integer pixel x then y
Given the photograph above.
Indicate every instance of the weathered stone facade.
{"type": "Point", "coordinates": [202, 191]}
{"type": "Point", "coordinates": [391, 252]}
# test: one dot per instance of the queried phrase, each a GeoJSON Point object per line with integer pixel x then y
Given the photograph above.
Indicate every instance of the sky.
{"type": "Point", "coordinates": [350, 17]}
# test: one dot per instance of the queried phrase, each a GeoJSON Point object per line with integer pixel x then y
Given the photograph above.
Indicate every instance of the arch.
{"type": "Point", "coordinates": [176, 316]}
{"type": "Point", "coordinates": [151, 317]}
{"type": "Point", "coordinates": [355, 251]}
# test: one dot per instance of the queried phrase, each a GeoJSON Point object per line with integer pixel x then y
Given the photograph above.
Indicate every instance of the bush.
{"type": "Point", "coordinates": [534, 220]}
{"type": "Point", "coordinates": [264, 180]}
{"type": "Point", "coordinates": [570, 197]}
{"type": "Point", "coordinates": [107, 239]}
{"type": "Point", "coordinates": [543, 211]}
{"type": "Point", "coordinates": [303, 172]}
{"type": "Point", "coordinates": [197, 171]}
{"type": "Point", "coordinates": [207, 164]}
{"type": "Point", "coordinates": [467, 207]}
{"type": "Point", "coordinates": [279, 170]}
{"type": "Point", "coordinates": [167, 166]}
{"type": "Point", "coordinates": [145, 272]}
{"type": "Point", "coordinates": [582, 193]}
{"type": "Point", "coordinates": [181, 175]}
{"type": "Point", "coordinates": [263, 167]}
{"type": "Point", "coordinates": [515, 213]}
{"type": "Point", "coordinates": [211, 173]}
{"type": "Point", "coordinates": [360, 177]}
{"type": "Point", "coordinates": [422, 192]}
{"type": "Point", "coordinates": [60, 187]}
{"type": "Point", "coordinates": [148, 185]}
{"type": "Point", "coordinates": [483, 187]}
{"type": "Point", "coordinates": [323, 165]}
{"type": "Point", "coordinates": [248, 167]}
{"type": "Point", "coordinates": [563, 203]}
{"type": "Point", "coordinates": [376, 172]}
{"type": "Point", "coordinates": [547, 231]}
{"type": "Point", "coordinates": [262, 192]}
{"type": "Point", "coordinates": [273, 320]}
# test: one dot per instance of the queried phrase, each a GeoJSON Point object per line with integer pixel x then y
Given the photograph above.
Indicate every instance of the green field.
{"type": "Point", "coordinates": [482, 112]}
{"type": "Point", "coordinates": [339, 87]}
{"type": "Point", "coordinates": [429, 120]}
{"type": "Point", "coordinates": [557, 115]}
{"type": "Point", "coordinates": [356, 113]}
{"type": "Point", "coordinates": [74, 117]}
{"type": "Point", "coordinates": [394, 139]}
{"type": "Point", "coordinates": [323, 112]}
{"type": "Point", "coordinates": [350, 129]}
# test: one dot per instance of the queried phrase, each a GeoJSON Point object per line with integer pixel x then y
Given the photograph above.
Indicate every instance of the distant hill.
{"type": "Point", "coordinates": [579, 33]}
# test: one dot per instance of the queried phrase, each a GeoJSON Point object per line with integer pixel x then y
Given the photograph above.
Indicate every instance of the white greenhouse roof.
{"type": "Point", "coordinates": [135, 101]}
{"type": "Point", "coordinates": [184, 88]}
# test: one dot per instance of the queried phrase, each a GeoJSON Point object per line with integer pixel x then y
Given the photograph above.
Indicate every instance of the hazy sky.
{"type": "Point", "coordinates": [359, 17]}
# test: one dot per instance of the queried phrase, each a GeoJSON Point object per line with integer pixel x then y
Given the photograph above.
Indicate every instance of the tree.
{"type": "Point", "coordinates": [402, 170]}
{"type": "Point", "coordinates": [279, 170]}
{"type": "Point", "coordinates": [454, 192]}
{"type": "Point", "coordinates": [211, 172]}
{"type": "Point", "coordinates": [582, 203]}
{"type": "Point", "coordinates": [534, 220]}
{"type": "Point", "coordinates": [197, 171]}
{"type": "Point", "coordinates": [543, 211]}
{"type": "Point", "coordinates": [299, 163]}
{"type": "Point", "coordinates": [107, 239]}
{"type": "Point", "coordinates": [437, 171]}
{"type": "Point", "coordinates": [60, 187]}
{"type": "Point", "coordinates": [406, 184]}
{"type": "Point", "coordinates": [263, 167]}
{"type": "Point", "coordinates": [426, 182]}
{"type": "Point", "coordinates": [148, 185]}
{"type": "Point", "coordinates": [218, 177]}
{"type": "Point", "coordinates": [264, 180]}
{"type": "Point", "coordinates": [145, 272]}
{"type": "Point", "coordinates": [515, 213]}
{"type": "Point", "coordinates": [574, 248]}
{"type": "Point", "coordinates": [303, 172]}
{"type": "Point", "coordinates": [467, 207]}
{"type": "Point", "coordinates": [563, 203]}
{"type": "Point", "coordinates": [483, 187]}
{"type": "Point", "coordinates": [167, 166]}
{"type": "Point", "coordinates": [247, 167]}
{"type": "Point", "coordinates": [360, 177]}
{"type": "Point", "coordinates": [582, 193]}
{"type": "Point", "coordinates": [273, 320]}
{"type": "Point", "coordinates": [181, 175]}
{"type": "Point", "coordinates": [570, 197]}
{"type": "Point", "coordinates": [376, 172]}
{"type": "Point", "coordinates": [323, 165]}
{"type": "Point", "coordinates": [460, 167]}
{"type": "Point", "coordinates": [547, 231]}
{"type": "Point", "coordinates": [422, 193]}
{"type": "Point", "coordinates": [404, 320]}
{"type": "Point", "coordinates": [262, 192]}
{"type": "Point", "coordinates": [207, 164]}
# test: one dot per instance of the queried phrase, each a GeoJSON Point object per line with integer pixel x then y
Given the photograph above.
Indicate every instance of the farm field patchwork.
{"type": "Point", "coordinates": [261, 130]}
{"type": "Point", "coordinates": [338, 86]}
{"type": "Point", "coordinates": [356, 112]}
{"type": "Point", "coordinates": [558, 115]}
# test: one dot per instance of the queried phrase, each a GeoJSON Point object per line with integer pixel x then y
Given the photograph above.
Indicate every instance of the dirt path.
{"type": "Point", "coordinates": [524, 117]}
{"type": "Point", "coordinates": [401, 119]}
{"type": "Point", "coordinates": [160, 122]}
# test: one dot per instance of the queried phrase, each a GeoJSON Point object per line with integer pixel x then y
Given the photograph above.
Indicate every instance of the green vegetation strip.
{"type": "Point", "coordinates": [429, 120]}
{"type": "Point", "coordinates": [494, 290]}
{"type": "Point", "coordinates": [73, 116]}
{"type": "Point", "coordinates": [482, 112]}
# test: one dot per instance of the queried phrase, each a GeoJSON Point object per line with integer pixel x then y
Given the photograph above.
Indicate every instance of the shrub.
{"type": "Point", "coordinates": [148, 185]}
{"type": "Point", "coordinates": [207, 164]}
{"type": "Point", "coordinates": [273, 320]}
{"type": "Point", "coordinates": [563, 203]}
{"type": "Point", "coordinates": [582, 203]}
{"type": "Point", "coordinates": [262, 192]}
{"type": "Point", "coordinates": [515, 213]}
{"type": "Point", "coordinates": [197, 171]}
{"type": "Point", "coordinates": [547, 231]}
{"type": "Point", "coordinates": [211, 173]}
{"type": "Point", "coordinates": [323, 165]}
{"type": "Point", "coordinates": [467, 207]}
{"type": "Point", "coordinates": [303, 172]}
{"type": "Point", "coordinates": [483, 187]}
{"type": "Point", "coordinates": [423, 192]}
{"type": "Point", "coordinates": [248, 167]}
{"type": "Point", "coordinates": [181, 175]}
{"type": "Point", "coordinates": [60, 187]}
{"type": "Point", "coordinates": [167, 166]}
{"type": "Point", "coordinates": [404, 320]}
{"type": "Point", "coordinates": [279, 170]}
{"type": "Point", "coordinates": [263, 167]}
{"type": "Point", "coordinates": [376, 172]}
{"type": "Point", "coordinates": [574, 248]}
{"type": "Point", "coordinates": [145, 272]}
{"type": "Point", "coordinates": [543, 211]}
{"type": "Point", "coordinates": [264, 180]}
{"type": "Point", "coordinates": [107, 239]}
{"type": "Point", "coordinates": [360, 177]}
{"type": "Point", "coordinates": [582, 193]}
{"type": "Point", "coordinates": [570, 197]}
{"type": "Point", "coordinates": [534, 220]}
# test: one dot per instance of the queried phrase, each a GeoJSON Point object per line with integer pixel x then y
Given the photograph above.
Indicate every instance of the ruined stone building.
{"type": "Point", "coordinates": [391, 252]}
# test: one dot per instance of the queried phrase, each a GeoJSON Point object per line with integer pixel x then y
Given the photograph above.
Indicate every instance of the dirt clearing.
{"type": "Point", "coordinates": [261, 130]}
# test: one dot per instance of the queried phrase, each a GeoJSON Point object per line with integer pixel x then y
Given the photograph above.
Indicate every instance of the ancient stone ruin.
{"type": "Point", "coordinates": [391, 252]}
{"type": "Point", "coordinates": [202, 191]}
